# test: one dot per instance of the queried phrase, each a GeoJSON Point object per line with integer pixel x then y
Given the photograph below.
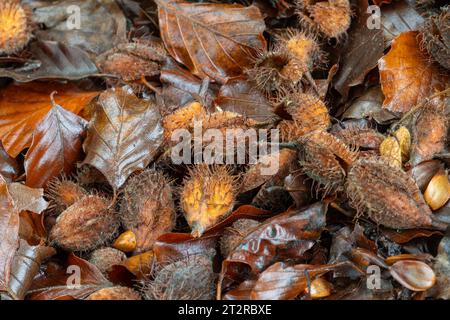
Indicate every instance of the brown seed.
{"type": "Point", "coordinates": [387, 194]}
{"type": "Point", "coordinates": [105, 258]}
{"type": "Point", "coordinates": [414, 275]}
{"type": "Point", "coordinates": [438, 190]}
{"type": "Point", "coordinates": [147, 208]}
{"type": "Point", "coordinates": [140, 265]}
{"type": "Point", "coordinates": [115, 293]}
{"type": "Point", "coordinates": [320, 288]}
{"type": "Point", "coordinates": [207, 196]}
{"type": "Point", "coordinates": [85, 225]}
{"type": "Point", "coordinates": [126, 242]}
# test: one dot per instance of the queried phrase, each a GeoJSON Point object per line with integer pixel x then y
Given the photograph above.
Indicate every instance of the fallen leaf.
{"type": "Point", "coordinates": [102, 23]}
{"type": "Point", "coordinates": [27, 199]}
{"type": "Point", "coordinates": [442, 268]}
{"type": "Point", "coordinates": [25, 267]}
{"type": "Point", "coordinates": [23, 106]}
{"type": "Point", "coordinates": [212, 40]}
{"type": "Point", "coordinates": [287, 234]}
{"type": "Point", "coordinates": [60, 283]}
{"type": "Point", "coordinates": [53, 60]}
{"type": "Point", "coordinates": [361, 53]}
{"type": "Point", "coordinates": [9, 168]}
{"type": "Point", "coordinates": [56, 146]}
{"type": "Point", "coordinates": [241, 96]}
{"type": "Point", "coordinates": [407, 77]}
{"type": "Point", "coordinates": [123, 136]}
{"type": "Point", "coordinates": [9, 234]}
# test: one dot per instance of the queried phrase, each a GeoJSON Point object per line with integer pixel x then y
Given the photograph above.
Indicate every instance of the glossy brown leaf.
{"type": "Point", "coordinates": [398, 17]}
{"type": "Point", "coordinates": [361, 52]}
{"type": "Point", "coordinates": [211, 40]}
{"type": "Point", "coordinates": [281, 281]}
{"type": "Point", "coordinates": [53, 60]}
{"type": "Point", "coordinates": [407, 77]}
{"type": "Point", "coordinates": [25, 267]}
{"type": "Point", "coordinates": [55, 284]}
{"type": "Point", "coordinates": [9, 168]}
{"type": "Point", "coordinates": [23, 106]}
{"type": "Point", "coordinates": [56, 146]}
{"type": "Point", "coordinates": [173, 246]}
{"type": "Point", "coordinates": [9, 233]}
{"type": "Point", "coordinates": [27, 199]}
{"type": "Point", "coordinates": [102, 24]}
{"type": "Point", "coordinates": [290, 233]}
{"type": "Point", "coordinates": [123, 136]}
{"type": "Point", "coordinates": [241, 96]}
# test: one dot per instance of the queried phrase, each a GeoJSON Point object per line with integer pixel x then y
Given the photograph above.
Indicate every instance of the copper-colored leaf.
{"type": "Point", "coordinates": [241, 96]}
{"type": "Point", "coordinates": [57, 284]}
{"type": "Point", "coordinates": [25, 266]}
{"type": "Point", "coordinates": [212, 40]}
{"type": "Point", "coordinates": [287, 234]}
{"type": "Point", "coordinates": [22, 107]}
{"type": "Point", "coordinates": [56, 147]}
{"type": "Point", "coordinates": [9, 168]}
{"type": "Point", "coordinates": [407, 77]}
{"type": "Point", "coordinates": [123, 136]}
{"type": "Point", "coordinates": [9, 233]}
{"type": "Point", "coordinates": [282, 282]}
{"type": "Point", "coordinates": [26, 198]}
{"type": "Point", "coordinates": [53, 60]}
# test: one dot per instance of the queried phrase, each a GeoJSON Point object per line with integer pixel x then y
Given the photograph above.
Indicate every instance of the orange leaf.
{"type": "Point", "coordinates": [212, 40]}
{"type": "Point", "coordinates": [23, 106]}
{"type": "Point", "coordinates": [407, 77]}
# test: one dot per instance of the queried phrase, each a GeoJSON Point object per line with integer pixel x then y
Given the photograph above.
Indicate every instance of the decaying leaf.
{"type": "Point", "coordinates": [123, 136]}
{"type": "Point", "coordinates": [211, 40]}
{"type": "Point", "coordinates": [406, 75]}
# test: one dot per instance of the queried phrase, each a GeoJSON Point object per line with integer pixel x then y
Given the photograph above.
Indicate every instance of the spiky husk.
{"type": "Point", "coordinates": [15, 30]}
{"type": "Point", "coordinates": [63, 193]}
{"type": "Point", "coordinates": [309, 114]}
{"type": "Point", "coordinates": [147, 208]}
{"type": "Point", "coordinates": [234, 234]}
{"type": "Point", "coordinates": [429, 133]}
{"type": "Point", "coordinates": [207, 196]}
{"type": "Point", "coordinates": [189, 279]}
{"type": "Point", "coordinates": [331, 18]}
{"type": "Point", "coordinates": [182, 118]}
{"type": "Point", "coordinates": [325, 159]}
{"type": "Point", "coordinates": [270, 71]}
{"type": "Point", "coordinates": [105, 258]}
{"type": "Point", "coordinates": [365, 138]}
{"type": "Point", "coordinates": [115, 293]}
{"type": "Point", "coordinates": [387, 194]}
{"type": "Point", "coordinates": [85, 225]}
{"type": "Point", "coordinates": [436, 36]}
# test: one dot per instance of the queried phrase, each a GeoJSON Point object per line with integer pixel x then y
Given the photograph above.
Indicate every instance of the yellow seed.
{"type": "Point", "coordinates": [140, 265]}
{"type": "Point", "coordinates": [126, 242]}
{"type": "Point", "coordinates": [391, 151]}
{"type": "Point", "coordinates": [404, 139]}
{"type": "Point", "coordinates": [438, 190]}
{"type": "Point", "coordinates": [320, 288]}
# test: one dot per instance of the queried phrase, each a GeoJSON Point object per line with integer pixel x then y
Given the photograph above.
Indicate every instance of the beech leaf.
{"type": "Point", "coordinates": [212, 40]}
{"type": "Point", "coordinates": [123, 136]}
